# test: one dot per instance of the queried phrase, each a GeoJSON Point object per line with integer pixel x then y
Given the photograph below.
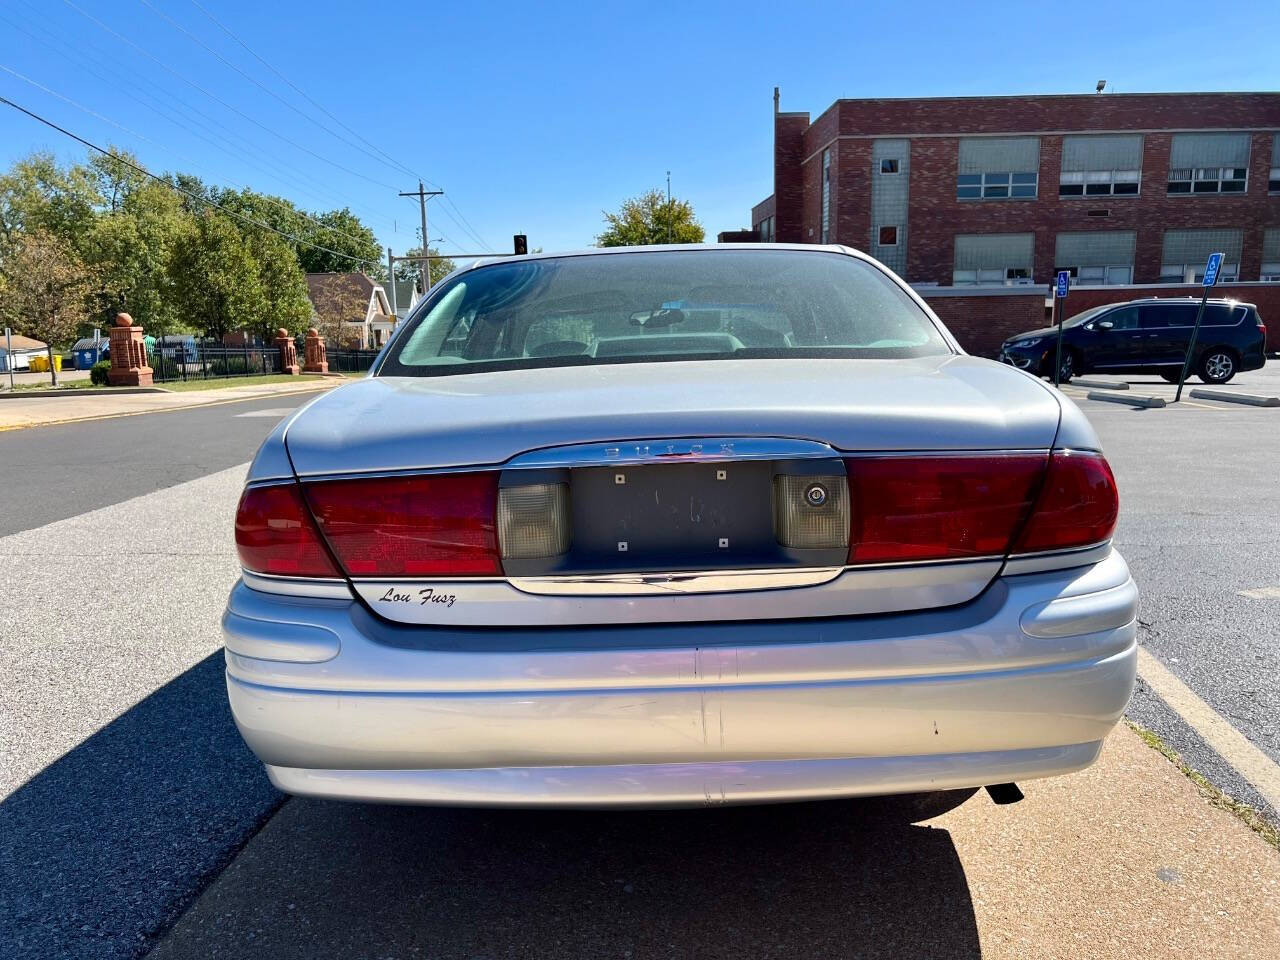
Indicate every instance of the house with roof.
{"type": "Point", "coordinates": [354, 303]}
{"type": "Point", "coordinates": [404, 296]}
{"type": "Point", "coordinates": [16, 352]}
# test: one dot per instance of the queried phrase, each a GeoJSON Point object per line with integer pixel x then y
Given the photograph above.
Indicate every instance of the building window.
{"type": "Point", "coordinates": [765, 227]}
{"type": "Point", "coordinates": [888, 237]}
{"type": "Point", "coordinates": [1271, 255]}
{"type": "Point", "coordinates": [1208, 180]}
{"type": "Point", "coordinates": [1108, 275]}
{"type": "Point", "coordinates": [994, 258]}
{"type": "Point", "coordinates": [1186, 252]}
{"type": "Point", "coordinates": [889, 165]}
{"type": "Point", "coordinates": [1098, 183]}
{"type": "Point", "coordinates": [1209, 163]}
{"type": "Point", "coordinates": [996, 186]}
{"type": "Point", "coordinates": [1271, 272]}
{"type": "Point", "coordinates": [826, 196]}
{"type": "Point", "coordinates": [998, 168]}
{"type": "Point", "coordinates": [1194, 272]}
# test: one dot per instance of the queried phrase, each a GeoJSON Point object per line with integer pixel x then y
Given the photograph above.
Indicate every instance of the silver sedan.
{"type": "Point", "coordinates": [677, 525]}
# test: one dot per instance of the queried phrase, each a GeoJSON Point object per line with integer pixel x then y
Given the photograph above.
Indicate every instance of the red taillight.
{"type": "Point", "coordinates": [275, 534]}
{"type": "Point", "coordinates": [435, 525]}
{"type": "Point", "coordinates": [938, 508]}
{"type": "Point", "coordinates": [1078, 505]}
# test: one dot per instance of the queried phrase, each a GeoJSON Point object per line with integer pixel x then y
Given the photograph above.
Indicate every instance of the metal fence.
{"type": "Point", "coordinates": [193, 360]}
{"type": "Point", "coordinates": [349, 361]}
{"type": "Point", "coordinates": [211, 361]}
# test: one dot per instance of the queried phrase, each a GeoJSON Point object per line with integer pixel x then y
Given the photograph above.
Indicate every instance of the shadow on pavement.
{"type": "Point", "coordinates": [832, 879]}
{"type": "Point", "coordinates": [107, 845]}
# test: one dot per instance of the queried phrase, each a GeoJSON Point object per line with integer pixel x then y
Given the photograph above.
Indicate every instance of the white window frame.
{"type": "Point", "coordinates": [897, 167]}
{"type": "Point", "coordinates": [1113, 274]}
{"type": "Point", "coordinates": [991, 276]}
{"type": "Point", "coordinates": [1192, 176]}
{"type": "Point", "coordinates": [1094, 179]}
{"type": "Point", "coordinates": [1228, 273]}
{"type": "Point", "coordinates": [999, 180]}
{"type": "Point", "coordinates": [1270, 272]}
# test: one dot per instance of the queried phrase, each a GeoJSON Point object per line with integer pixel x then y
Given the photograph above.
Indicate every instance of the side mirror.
{"type": "Point", "coordinates": [1105, 325]}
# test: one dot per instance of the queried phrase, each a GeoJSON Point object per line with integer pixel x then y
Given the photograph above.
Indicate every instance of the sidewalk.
{"type": "Point", "coordinates": [1123, 860]}
{"type": "Point", "coordinates": [18, 412]}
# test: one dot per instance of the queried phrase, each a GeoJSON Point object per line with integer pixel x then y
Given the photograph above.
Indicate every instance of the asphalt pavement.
{"type": "Point", "coordinates": [52, 472]}
{"type": "Point", "coordinates": [127, 792]}
{"type": "Point", "coordinates": [1199, 525]}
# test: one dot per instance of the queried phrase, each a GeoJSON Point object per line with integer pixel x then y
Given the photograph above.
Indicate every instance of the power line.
{"type": "Point", "coordinates": [251, 156]}
{"type": "Point", "coordinates": [216, 98]}
{"type": "Point", "coordinates": [271, 200]}
{"type": "Point", "coordinates": [464, 225]}
{"type": "Point", "coordinates": [173, 186]}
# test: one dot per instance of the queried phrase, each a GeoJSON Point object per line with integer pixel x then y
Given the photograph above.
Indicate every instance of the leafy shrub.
{"type": "Point", "coordinates": [98, 373]}
{"type": "Point", "coordinates": [231, 367]}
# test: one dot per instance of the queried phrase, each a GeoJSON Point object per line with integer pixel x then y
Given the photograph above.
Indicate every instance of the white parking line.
{"type": "Point", "coordinates": [1261, 593]}
{"type": "Point", "coordinates": [1232, 745]}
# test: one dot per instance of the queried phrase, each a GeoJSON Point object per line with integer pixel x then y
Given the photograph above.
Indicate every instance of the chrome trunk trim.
{"type": "Point", "coordinates": [296, 586]}
{"type": "Point", "coordinates": [709, 581]}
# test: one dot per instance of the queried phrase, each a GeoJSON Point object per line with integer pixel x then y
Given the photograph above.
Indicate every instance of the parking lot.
{"type": "Point", "coordinates": [135, 821]}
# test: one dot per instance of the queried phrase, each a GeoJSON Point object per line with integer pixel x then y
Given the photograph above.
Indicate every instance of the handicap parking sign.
{"type": "Point", "coordinates": [1211, 269]}
{"type": "Point", "coordinates": [1064, 283]}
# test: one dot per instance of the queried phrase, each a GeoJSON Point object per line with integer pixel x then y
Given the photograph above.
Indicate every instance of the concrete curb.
{"type": "Point", "coordinates": [1132, 400]}
{"type": "Point", "coordinates": [1253, 399]}
{"type": "Point", "coordinates": [74, 392]}
{"type": "Point", "coordinates": [1101, 384]}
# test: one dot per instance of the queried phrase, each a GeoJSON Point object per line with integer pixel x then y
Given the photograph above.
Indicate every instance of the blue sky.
{"type": "Point", "coordinates": [533, 116]}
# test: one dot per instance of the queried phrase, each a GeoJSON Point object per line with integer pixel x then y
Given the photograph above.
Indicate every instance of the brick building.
{"type": "Point", "coordinates": [1123, 190]}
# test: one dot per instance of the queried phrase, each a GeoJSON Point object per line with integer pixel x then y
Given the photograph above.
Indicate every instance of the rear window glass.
{"type": "Point", "coordinates": [663, 305]}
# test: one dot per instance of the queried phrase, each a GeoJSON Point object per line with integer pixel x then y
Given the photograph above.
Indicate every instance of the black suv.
{"type": "Point", "coordinates": [1147, 336]}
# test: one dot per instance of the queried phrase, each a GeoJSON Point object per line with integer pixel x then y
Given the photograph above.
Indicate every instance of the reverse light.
{"type": "Point", "coordinates": [533, 520]}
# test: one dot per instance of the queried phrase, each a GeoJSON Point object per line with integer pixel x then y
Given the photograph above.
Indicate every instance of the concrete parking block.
{"type": "Point", "coordinates": [1101, 384]}
{"type": "Point", "coordinates": [1132, 399]}
{"type": "Point", "coordinates": [1252, 399]}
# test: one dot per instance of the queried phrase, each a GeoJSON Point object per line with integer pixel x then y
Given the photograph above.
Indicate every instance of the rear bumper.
{"type": "Point", "coordinates": [1024, 682]}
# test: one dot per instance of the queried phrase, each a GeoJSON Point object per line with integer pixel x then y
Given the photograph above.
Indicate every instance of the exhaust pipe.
{"type": "Point", "coordinates": [1003, 793]}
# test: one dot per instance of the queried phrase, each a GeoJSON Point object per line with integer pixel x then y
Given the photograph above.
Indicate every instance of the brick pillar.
{"type": "Point", "coordinates": [128, 355]}
{"type": "Point", "coordinates": [288, 352]}
{"type": "Point", "coordinates": [315, 355]}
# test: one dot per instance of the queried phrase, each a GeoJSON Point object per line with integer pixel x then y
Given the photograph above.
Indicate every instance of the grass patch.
{"type": "Point", "coordinates": [219, 383]}
{"type": "Point", "coordinates": [81, 384]}
{"type": "Point", "coordinates": [1246, 814]}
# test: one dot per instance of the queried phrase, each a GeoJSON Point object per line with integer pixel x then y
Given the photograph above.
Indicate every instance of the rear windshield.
{"type": "Point", "coordinates": [663, 305]}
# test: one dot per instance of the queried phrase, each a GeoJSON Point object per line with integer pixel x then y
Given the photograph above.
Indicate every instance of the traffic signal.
{"type": "Point", "coordinates": [522, 244]}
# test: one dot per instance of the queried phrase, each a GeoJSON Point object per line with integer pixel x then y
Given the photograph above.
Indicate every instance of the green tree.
{"type": "Point", "coordinates": [216, 277]}
{"type": "Point", "coordinates": [38, 195]}
{"type": "Point", "coordinates": [48, 290]}
{"type": "Point", "coordinates": [283, 285]}
{"type": "Point", "coordinates": [651, 218]}
{"type": "Point", "coordinates": [344, 232]}
{"type": "Point", "coordinates": [412, 270]}
{"type": "Point", "coordinates": [132, 244]}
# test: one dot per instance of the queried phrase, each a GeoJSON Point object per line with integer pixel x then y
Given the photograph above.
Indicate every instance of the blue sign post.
{"type": "Point", "coordinates": [1211, 271]}
{"type": "Point", "coordinates": [1059, 295]}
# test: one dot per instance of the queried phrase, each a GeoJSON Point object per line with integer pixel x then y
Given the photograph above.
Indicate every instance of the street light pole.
{"type": "Point", "coordinates": [669, 210]}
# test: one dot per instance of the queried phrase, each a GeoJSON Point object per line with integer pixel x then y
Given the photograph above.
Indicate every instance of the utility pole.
{"type": "Point", "coordinates": [669, 210]}
{"type": "Point", "coordinates": [391, 275]}
{"type": "Point", "coordinates": [422, 195]}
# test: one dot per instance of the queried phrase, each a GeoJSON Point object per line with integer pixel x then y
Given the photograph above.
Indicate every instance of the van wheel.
{"type": "Point", "coordinates": [1066, 369]}
{"type": "Point", "coordinates": [1218, 365]}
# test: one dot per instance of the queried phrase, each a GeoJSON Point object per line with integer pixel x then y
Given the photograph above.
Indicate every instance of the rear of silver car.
{"type": "Point", "coordinates": [649, 588]}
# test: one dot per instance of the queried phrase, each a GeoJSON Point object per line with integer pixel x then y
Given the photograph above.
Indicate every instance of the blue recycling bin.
{"type": "Point", "coordinates": [87, 353]}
